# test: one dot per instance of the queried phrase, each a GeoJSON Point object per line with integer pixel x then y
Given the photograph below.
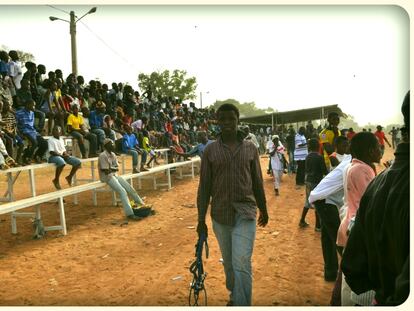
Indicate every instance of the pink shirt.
{"type": "Point", "coordinates": [358, 176]}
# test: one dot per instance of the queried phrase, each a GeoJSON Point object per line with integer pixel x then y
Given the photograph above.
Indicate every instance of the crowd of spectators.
{"type": "Point", "coordinates": [33, 100]}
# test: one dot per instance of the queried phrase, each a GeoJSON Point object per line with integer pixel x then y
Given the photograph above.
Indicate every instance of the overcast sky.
{"type": "Point", "coordinates": [284, 57]}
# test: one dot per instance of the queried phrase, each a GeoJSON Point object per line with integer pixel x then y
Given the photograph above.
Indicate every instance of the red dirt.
{"type": "Point", "coordinates": [146, 263]}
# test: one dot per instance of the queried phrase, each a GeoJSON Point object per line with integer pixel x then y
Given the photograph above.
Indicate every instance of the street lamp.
{"type": "Point", "coordinates": [72, 31]}
{"type": "Point", "coordinates": [201, 99]}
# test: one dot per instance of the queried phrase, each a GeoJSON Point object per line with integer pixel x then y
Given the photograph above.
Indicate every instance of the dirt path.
{"type": "Point", "coordinates": [102, 262]}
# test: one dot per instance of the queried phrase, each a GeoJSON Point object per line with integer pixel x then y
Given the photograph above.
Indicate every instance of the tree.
{"type": "Point", "coordinates": [246, 109]}
{"type": "Point", "coordinates": [164, 84]}
{"type": "Point", "coordinates": [23, 56]}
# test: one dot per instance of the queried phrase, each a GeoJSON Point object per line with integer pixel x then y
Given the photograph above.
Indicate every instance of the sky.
{"type": "Point", "coordinates": [284, 57]}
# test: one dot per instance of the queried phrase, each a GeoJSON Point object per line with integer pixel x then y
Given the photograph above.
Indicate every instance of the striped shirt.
{"type": "Point", "coordinates": [300, 153]}
{"type": "Point", "coordinates": [233, 181]}
{"type": "Point", "coordinates": [25, 121]}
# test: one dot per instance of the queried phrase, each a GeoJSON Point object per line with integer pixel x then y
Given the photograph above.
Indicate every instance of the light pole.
{"type": "Point", "coordinates": [72, 32]}
{"type": "Point", "coordinates": [201, 99]}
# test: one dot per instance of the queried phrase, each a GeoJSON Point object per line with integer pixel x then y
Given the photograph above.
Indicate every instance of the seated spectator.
{"type": "Point", "coordinates": [59, 156]}
{"type": "Point", "coordinates": [96, 119]}
{"type": "Point", "coordinates": [25, 126]}
{"type": "Point", "coordinates": [149, 149]}
{"type": "Point", "coordinates": [198, 149]}
{"type": "Point", "coordinates": [131, 146]}
{"type": "Point", "coordinates": [75, 122]}
{"type": "Point", "coordinates": [22, 96]}
{"type": "Point", "coordinates": [8, 126]}
{"type": "Point", "coordinates": [51, 106]}
{"type": "Point", "coordinates": [5, 160]}
{"type": "Point", "coordinates": [108, 168]}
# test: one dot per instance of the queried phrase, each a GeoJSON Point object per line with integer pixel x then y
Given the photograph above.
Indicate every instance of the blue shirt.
{"type": "Point", "coordinates": [25, 121]}
{"type": "Point", "coordinates": [4, 68]}
{"type": "Point", "coordinates": [129, 142]}
{"type": "Point", "coordinates": [96, 119]}
{"type": "Point", "coordinates": [199, 149]}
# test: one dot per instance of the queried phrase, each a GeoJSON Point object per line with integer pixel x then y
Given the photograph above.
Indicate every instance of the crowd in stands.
{"type": "Point", "coordinates": [90, 112]}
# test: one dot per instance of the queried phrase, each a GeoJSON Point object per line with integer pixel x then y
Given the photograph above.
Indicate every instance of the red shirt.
{"type": "Point", "coordinates": [380, 136]}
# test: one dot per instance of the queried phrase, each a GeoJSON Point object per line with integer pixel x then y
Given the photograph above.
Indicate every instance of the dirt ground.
{"type": "Point", "coordinates": [104, 262]}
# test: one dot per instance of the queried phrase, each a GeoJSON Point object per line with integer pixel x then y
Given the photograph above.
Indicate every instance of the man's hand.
{"type": "Point", "coordinates": [202, 229]}
{"type": "Point", "coordinates": [263, 219]}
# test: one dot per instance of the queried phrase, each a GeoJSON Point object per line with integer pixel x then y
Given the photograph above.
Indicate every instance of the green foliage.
{"type": "Point", "coordinates": [23, 56]}
{"type": "Point", "coordinates": [246, 109]}
{"type": "Point", "coordinates": [166, 84]}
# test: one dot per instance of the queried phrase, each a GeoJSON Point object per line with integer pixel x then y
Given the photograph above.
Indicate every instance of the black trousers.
{"type": "Point", "coordinates": [329, 216]}
{"type": "Point", "coordinates": [300, 172]}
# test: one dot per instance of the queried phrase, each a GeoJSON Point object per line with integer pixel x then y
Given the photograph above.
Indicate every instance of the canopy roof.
{"type": "Point", "coordinates": [294, 116]}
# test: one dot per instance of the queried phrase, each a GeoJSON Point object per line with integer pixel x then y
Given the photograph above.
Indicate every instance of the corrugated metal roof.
{"type": "Point", "coordinates": [294, 116]}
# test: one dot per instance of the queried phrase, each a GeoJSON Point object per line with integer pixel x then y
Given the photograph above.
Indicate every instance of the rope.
{"type": "Point", "coordinates": [197, 269]}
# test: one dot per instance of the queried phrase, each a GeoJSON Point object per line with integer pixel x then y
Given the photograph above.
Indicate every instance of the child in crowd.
{"type": "Point", "coordinates": [315, 169]}
{"type": "Point", "coordinates": [149, 149]}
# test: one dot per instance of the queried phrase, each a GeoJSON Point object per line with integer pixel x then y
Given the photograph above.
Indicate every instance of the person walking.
{"type": "Point", "coordinates": [381, 138]}
{"type": "Point", "coordinates": [278, 160]}
{"type": "Point", "coordinates": [231, 175]}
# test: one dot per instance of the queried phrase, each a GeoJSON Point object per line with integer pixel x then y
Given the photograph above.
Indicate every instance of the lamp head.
{"type": "Point", "coordinates": [52, 18]}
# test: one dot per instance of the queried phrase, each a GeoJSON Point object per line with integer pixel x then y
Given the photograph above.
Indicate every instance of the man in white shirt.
{"type": "Point", "coordinates": [59, 156]}
{"type": "Point", "coordinates": [15, 71]}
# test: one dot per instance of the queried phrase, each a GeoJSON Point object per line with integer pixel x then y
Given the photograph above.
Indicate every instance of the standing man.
{"type": "Point", "coordinates": [327, 137]}
{"type": "Point", "coordinates": [381, 137]}
{"type": "Point", "coordinates": [300, 154]}
{"type": "Point", "coordinates": [231, 175]}
{"type": "Point", "coordinates": [290, 144]}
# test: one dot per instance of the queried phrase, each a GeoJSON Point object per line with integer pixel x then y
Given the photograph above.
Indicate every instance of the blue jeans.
{"type": "Point", "coordinates": [60, 161]}
{"type": "Point", "coordinates": [100, 134]}
{"type": "Point", "coordinates": [134, 155]}
{"type": "Point", "coordinates": [123, 188]}
{"type": "Point", "coordinates": [236, 246]}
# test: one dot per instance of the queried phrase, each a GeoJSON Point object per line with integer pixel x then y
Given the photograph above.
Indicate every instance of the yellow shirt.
{"type": "Point", "coordinates": [145, 144]}
{"type": "Point", "coordinates": [75, 122]}
{"type": "Point", "coordinates": [327, 136]}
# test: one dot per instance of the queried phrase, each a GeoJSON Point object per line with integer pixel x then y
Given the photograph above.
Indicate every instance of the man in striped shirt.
{"type": "Point", "coordinates": [300, 154]}
{"type": "Point", "coordinates": [231, 175]}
